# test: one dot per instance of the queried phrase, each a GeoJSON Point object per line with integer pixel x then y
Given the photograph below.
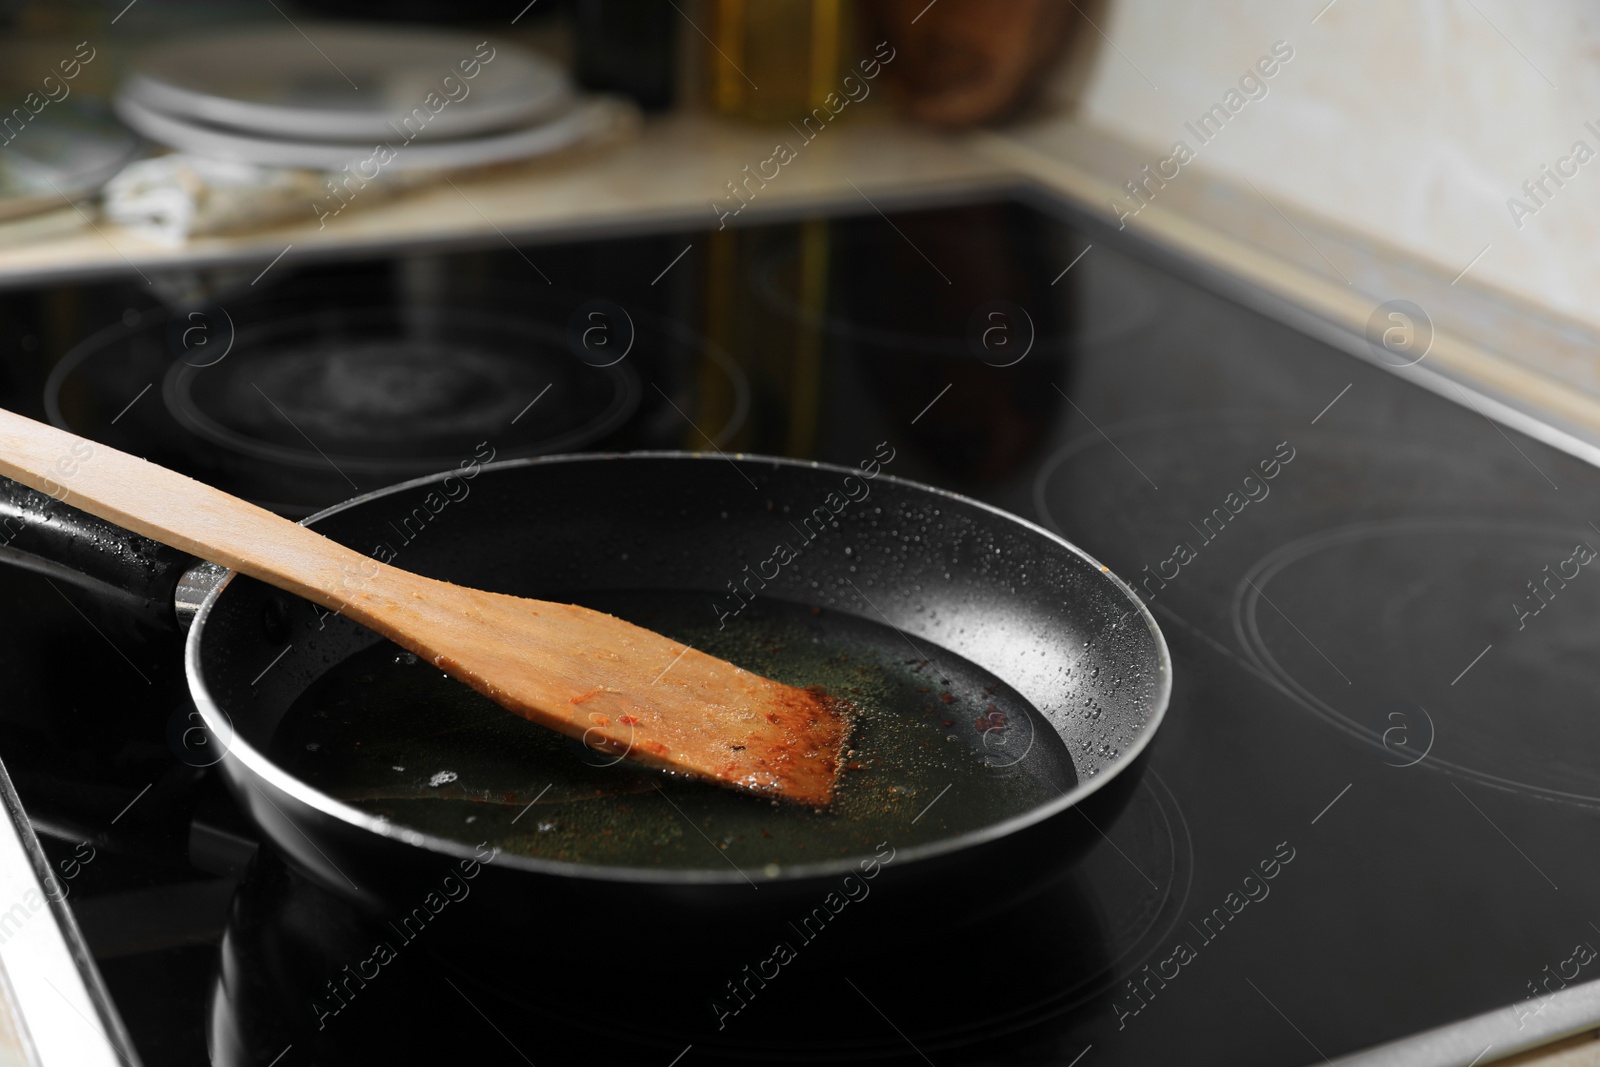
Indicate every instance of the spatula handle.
{"type": "Point", "coordinates": [178, 511]}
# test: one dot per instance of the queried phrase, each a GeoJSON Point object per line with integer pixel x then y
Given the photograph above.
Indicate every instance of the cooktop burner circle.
{"type": "Point", "coordinates": [373, 393]}
{"type": "Point", "coordinates": [1236, 484]}
{"type": "Point", "coordinates": [297, 407]}
{"type": "Point", "coordinates": [1498, 702]}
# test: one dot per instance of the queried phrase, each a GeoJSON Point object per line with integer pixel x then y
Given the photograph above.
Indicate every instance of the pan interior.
{"type": "Point", "coordinates": [940, 748]}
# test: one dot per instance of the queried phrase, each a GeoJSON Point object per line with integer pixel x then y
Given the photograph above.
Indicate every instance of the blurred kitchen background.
{"type": "Point", "coordinates": [1391, 155]}
{"type": "Point", "coordinates": [1059, 252]}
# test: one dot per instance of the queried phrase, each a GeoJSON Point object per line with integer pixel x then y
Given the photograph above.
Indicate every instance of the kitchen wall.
{"type": "Point", "coordinates": [1415, 123]}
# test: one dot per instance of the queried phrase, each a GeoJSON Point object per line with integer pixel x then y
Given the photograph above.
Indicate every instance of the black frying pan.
{"type": "Point", "coordinates": [1009, 678]}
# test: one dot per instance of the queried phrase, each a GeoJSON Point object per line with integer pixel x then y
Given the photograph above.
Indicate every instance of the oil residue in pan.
{"type": "Point", "coordinates": [940, 748]}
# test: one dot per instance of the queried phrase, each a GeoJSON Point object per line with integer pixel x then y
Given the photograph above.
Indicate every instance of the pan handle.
{"type": "Point", "coordinates": [133, 573]}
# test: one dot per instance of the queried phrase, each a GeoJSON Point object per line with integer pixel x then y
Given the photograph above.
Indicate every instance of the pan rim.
{"type": "Point", "coordinates": [254, 764]}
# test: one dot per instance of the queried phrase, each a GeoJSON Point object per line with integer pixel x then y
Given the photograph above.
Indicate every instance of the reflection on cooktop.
{"type": "Point", "coordinates": [983, 334]}
{"type": "Point", "coordinates": [1042, 947]}
{"type": "Point", "coordinates": [911, 309]}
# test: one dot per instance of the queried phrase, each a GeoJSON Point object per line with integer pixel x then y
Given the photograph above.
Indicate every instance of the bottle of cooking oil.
{"type": "Point", "coordinates": [770, 60]}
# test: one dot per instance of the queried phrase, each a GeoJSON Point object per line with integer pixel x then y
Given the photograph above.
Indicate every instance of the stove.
{"type": "Point", "coordinates": [1361, 819]}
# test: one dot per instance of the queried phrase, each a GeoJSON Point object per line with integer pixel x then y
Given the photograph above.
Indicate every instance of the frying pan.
{"type": "Point", "coordinates": [958, 584]}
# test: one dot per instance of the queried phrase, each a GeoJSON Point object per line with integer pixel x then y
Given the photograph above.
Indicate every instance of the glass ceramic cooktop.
{"type": "Point", "coordinates": [1366, 814]}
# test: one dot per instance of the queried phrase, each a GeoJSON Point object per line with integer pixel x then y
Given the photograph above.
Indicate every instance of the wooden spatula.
{"type": "Point", "coordinates": [617, 687]}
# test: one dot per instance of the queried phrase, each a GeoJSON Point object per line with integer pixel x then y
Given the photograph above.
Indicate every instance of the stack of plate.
{"type": "Point", "coordinates": [335, 96]}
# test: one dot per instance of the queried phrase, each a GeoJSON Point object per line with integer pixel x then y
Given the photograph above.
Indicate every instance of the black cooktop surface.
{"type": "Point", "coordinates": [1365, 815]}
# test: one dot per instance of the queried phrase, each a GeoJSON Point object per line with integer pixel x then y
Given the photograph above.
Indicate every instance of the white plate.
{"type": "Point", "coordinates": [345, 83]}
{"type": "Point", "coordinates": [577, 124]}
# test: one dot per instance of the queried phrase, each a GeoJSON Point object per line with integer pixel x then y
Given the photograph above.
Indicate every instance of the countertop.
{"type": "Point", "coordinates": [667, 176]}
